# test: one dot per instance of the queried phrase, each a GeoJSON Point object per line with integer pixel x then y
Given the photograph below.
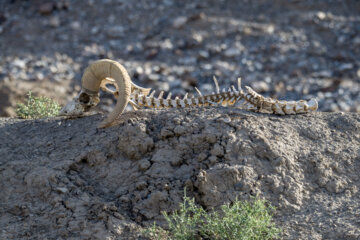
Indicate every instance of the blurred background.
{"type": "Point", "coordinates": [286, 49]}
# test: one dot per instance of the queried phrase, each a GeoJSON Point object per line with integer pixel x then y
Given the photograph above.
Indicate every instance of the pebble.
{"type": "Point", "coordinates": [180, 22]}
{"type": "Point", "coordinates": [54, 22]}
{"type": "Point", "coordinates": [203, 54]}
{"type": "Point", "coordinates": [261, 87]}
{"type": "Point", "coordinates": [46, 8]}
{"type": "Point", "coordinates": [154, 77]}
{"type": "Point", "coordinates": [321, 15]}
{"type": "Point", "coordinates": [344, 106]}
{"type": "Point", "coordinates": [189, 60]}
{"type": "Point", "coordinates": [19, 63]}
{"type": "Point", "coordinates": [232, 52]}
{"type": "Point", "coordinates": [270, 58]}
{"type": "Point", "coordinates": [62, 189]}
{"type": "Point", "coordinates": [115, 31]}
{"type": "Point", "coordinates": [75, 25]}
{"type": "Point", "coordinates": [346, 66]}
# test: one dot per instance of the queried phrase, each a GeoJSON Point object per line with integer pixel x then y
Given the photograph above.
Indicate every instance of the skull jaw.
{"type": "Point", "coordinates": [72, 108]}
{"type": "Point", "coordinates": [81, 104]}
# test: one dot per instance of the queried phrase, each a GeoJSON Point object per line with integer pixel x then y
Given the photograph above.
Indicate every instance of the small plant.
{"type": "Point", "coordinates": [37, 107]}
{"type": "Point", "coordinates": [241, 220]}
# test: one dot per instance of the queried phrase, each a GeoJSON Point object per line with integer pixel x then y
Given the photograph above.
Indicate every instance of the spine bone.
{"type": "Point", "coordinates": [273, 106]}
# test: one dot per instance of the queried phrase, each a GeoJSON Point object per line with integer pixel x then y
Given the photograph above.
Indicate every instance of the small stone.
{"type": "Point", "coordinates": [226, 120]}
{"type": "Point", "coordinates": [115, 32]}
{"type": "Point", "coordinates": [188, 60]}
{"type": "Point", "coordinates": [180, 22]}
{"type": "Point", "coordinates": [139, 70]}
{"type": "Point", "coordinates": [204, 54]}
{"type": "Point", "coordinates": [19, 63]}
{"type": "Point", "coordinates": [39, 76]}
{"type": "Point", "coordinates": [167, 187]}
{"type": "Point", "coordinates": [346, 66]}
{"type": "Point", "coordinates": [321, 15]}
{"type": "Point", "coordinates": [344, 106]}
{"type": "Point", "coordinates": [323, 74]}
{"type": "Point", "coordinates": [165, 86]}
{"type": "Point", "coordinates": [232, 52]}
{"type": "Point", "coordinates": [166, 44]}
{"type": "Point", "coordinates": [94, 30]}
{"type": "Point", "coordinates": [141, 185]}
{"type": "Point", "coordinates": [75, 25]}
{"type": "Point", "coordinates": [54, 22]}
{"type": "Point", "coordinates": [154, 77]}
{"type": "Point", "coordinates": [258, 65]}
{"type": "Point", "coordinates": [261, 86]}
{"type": "Point", "coordinates": [198, 38]}
{"type": "Point", "coordinates": [270, 29]}
{"type": "Point", "coordinates": [46, 8]}
{"type": "Point", "coordinates": [334, 107]}
{"type": "Point", "coordinates": [62, 190]}
{"type": "Point", "coordinates": [247, 30]}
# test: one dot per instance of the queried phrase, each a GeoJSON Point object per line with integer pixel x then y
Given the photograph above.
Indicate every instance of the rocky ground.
{"type": "Point", "coordinates": [283, 49]}
{"type": "Point", "coordinates": [65, 179]}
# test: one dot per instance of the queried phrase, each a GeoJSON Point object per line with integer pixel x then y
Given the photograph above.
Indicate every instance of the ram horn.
{"type": "Point", "coordinates": [89, 95]}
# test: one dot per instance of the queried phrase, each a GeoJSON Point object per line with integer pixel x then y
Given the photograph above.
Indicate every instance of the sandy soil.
{"type": "Point", "coordinates": [65, 179]}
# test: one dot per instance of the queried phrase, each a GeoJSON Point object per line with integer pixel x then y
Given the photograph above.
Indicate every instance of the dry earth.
{"type": "Point", "coordinates": [65, 179]}
{"type": "Point", "coordinates": [288, 49]}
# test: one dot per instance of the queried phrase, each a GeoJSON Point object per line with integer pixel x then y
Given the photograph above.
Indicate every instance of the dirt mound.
{"type": "Point", "coordinates": [65, 179]}
{"type": "Point", "coordinates": [283, 49]}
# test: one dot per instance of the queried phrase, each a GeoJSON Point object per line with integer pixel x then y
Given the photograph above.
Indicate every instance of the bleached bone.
{"type": "Point", "coordinates": [216, 85]}
{"type": "Point", "coordinates": [89, 94]}
{"type": "Point", "coordinates": [198, 91]}
{"type": "Point", "coordinates": [103, 72]}
{"type": "Point", "coordinates": [161, 94]}
{"type": "Point", "coordinates": [269, 105]}
{"type": "Point", "coordinates": [251, 101]}
{"type": "Point", "coordinates": [221, 98]}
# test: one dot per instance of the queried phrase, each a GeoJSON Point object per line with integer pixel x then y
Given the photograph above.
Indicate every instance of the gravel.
{"type": "Point", "coordinates": [284, 49]}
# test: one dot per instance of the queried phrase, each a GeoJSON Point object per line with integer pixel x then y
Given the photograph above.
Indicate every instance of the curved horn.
{"type": "Point", "coordinates": [106, 68]}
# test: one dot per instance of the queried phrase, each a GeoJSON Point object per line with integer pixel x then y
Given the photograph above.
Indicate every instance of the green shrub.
{"type": "Point", "coordinates": [241, 220]}
{"type": "Point", "coordinates": [37, 107]}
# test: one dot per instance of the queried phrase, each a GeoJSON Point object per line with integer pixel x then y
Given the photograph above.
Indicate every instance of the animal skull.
{"type": "Point", "coordinates": [82, 103]}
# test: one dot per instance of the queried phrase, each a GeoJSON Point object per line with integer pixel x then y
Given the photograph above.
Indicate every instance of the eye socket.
{"type": "Point", "coordinates": [84, 98]}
